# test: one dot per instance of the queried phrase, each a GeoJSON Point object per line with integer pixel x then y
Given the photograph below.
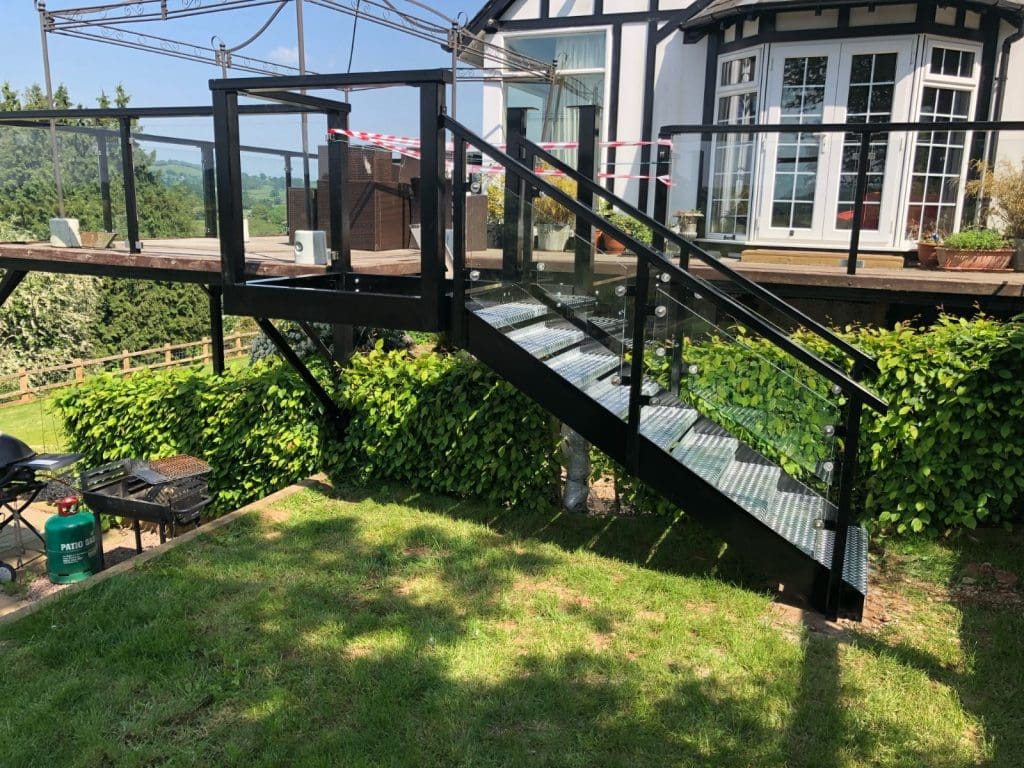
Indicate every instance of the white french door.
{"type": "Point", "coordinates": [809, 178]}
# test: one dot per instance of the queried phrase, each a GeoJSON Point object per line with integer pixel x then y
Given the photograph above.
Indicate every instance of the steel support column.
{"type": "Point", "coordinates": [216, 328]}
{"type": "Point", "coordinates": [458, 319]}
{"type": "Point", "coordinates": [434, 200]}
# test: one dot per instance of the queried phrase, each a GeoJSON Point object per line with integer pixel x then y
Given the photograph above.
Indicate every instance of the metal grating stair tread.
{"type": "Point", "coordinates": [855, 567]}
{"type": "Point", "coordinates": [615, 397]}
{"type": "Point", "coordinates": [511, 313]}
{"type": "Point", "coordinates": [663, 425]}
{"type": "Point", "coordinates": [707, 454]}
{"type": "Point", "coordinates": [582, 368]}
{"type": "Point", "coordinates": [571, 300]}
{"type": "Point", "coordinates": [542, 340]}
{"type": "Point", "coordinates": [612, 326]}
{"type": "Point", "coordinates": [753, 486]}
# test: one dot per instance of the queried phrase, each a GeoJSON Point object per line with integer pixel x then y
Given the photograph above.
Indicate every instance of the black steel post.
{"type": "Point", "coordinates": [216, 328]}
{"type": "Point", "coordinates": [318, 343]}
{"type": "Point", "coordinates": [12, 279]}
{"type": "Point", "coordinates": [663, 168]}
{"type": "Point", "coordinates": [108, 213]}
{"type": "Point", "coordinates": [340, 222]}
{"type": "Point", "coordinates": [287, 176]}
{"type": "Point", "coordinates": [131, 203]}
{"type": "Point", "coordinates": [512, 238]}
{"type": "Point", "coordinates": [847, 477]}
{"type": "Point", "coordinates": [229, 186]}
{"type": "Point", "coordinates": [586, 164]}
{"type": "Point", "coordinates": [458, 322]}
{"type": "Point", "coordinates": [433, 200]}
{"type": "Point", "coordinates": [526, 216]}
{"type": "Point", "coordinates": [858, 201]}
{"type": "Point", "coordinates": [209, 190]}
{"type": "Point", "coordinates": [636, 364]}
{"type": "Point", "coordinates": [337, 178]}
{"type": "Point", "coordinates": [330, 407]}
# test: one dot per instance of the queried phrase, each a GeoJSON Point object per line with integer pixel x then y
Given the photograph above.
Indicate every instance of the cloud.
{"type": "Point", "coordinates": [285, 55]}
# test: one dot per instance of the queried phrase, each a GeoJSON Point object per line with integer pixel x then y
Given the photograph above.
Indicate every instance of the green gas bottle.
{"type": "Point", "coordinates": [72, 547]}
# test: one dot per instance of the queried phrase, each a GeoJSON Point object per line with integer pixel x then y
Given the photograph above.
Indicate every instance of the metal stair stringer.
{"type": "Point", "coordinates": [800, 574]}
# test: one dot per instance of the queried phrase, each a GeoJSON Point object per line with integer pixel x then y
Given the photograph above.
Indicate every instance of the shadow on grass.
{"type": "Point", "coordinates": [334, 639]}
{"type": "Point", "coordinates": [670, 545]}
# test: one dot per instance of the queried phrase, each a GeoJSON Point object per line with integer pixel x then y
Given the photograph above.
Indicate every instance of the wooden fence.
{"type": "Point", "coordinates": [25, 385]}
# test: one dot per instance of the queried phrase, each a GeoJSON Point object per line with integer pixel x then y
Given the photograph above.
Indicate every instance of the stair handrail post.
{"type": "Point", "coordinates": [844, 513]}
{"type": "Point", "coordinates": [515, 190]}
{"type": "Point", "coordinates": [586, 164]}
{"type": "Point", "coordinates": [863, 158]}
{"type": "Point", "coordinates": [663, 168]}
{"type": "Point", "coordinates": [458, 321]}
{"type": "Point", "coordinates": [641, 295]}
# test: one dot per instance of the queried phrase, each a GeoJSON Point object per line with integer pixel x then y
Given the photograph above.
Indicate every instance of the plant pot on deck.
{"type": "Point", "coordinates": [1018, 257]}
{"type": "Point", "coordinates": [988, 261]}
{"type": "Point", "coordinates": [97, 239]}
{"type": "Point", "coordinates": [608, 244]}
{"type": "Point", "coordinates": [552, 237]}
{"type": "Point", "coordinates": [927, 256]}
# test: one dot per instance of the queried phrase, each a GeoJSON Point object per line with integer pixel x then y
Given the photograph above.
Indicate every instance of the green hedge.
{"type": "Point", "coordinates": [257, 427]}
{"type": "Point", "coordinates": [949, 453]}
{"type": "Point", "coordinates": [445, 424]}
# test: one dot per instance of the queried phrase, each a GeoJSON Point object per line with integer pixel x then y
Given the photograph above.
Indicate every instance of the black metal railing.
{"type": "Point", "coordinates": [979, 146]}
{"type": "Point", "coordinates": [522, 181]}
{"type": "Point", "coordinates": [71, 121]}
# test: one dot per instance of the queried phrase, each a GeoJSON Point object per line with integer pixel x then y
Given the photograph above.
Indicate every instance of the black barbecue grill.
{"type": "Point", "coordinates": [24, 474]}
{"type": "Point", "coordinates": [168, 492]}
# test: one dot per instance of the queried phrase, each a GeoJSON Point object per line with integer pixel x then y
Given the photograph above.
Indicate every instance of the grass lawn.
{"type": "Point", "coordinates": [388, 629]}
{"type": "Point", "coordinates": [35, 423]}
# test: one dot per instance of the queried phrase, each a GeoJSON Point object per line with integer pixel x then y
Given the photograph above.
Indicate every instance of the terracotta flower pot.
{"type": "Point", "coordinates": [989, 261]}
{"type": "Point", "coordinates": [608, 244]}
{"type": "Point", "coordinates": [926, 255]}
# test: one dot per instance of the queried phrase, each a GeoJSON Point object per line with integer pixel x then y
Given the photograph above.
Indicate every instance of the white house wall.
{"type": "Point", "coordinates": [679, 100]}
{"type": "Point", "coordinates": [564, 8]}
{"type": "Point", "coordinates": [631, 105]}
{"type": "Point", "coordinates": [1011, 143]}
{"type": "Point", "coordinates": [522, 9]}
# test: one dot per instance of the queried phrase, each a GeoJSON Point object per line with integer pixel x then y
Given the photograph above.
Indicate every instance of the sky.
{"type": "Point", "coordinates": [88, 68]}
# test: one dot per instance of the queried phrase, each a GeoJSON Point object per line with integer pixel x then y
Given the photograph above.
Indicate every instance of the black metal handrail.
{"type": "Point", "coordinates": [650, 257]}
{"type": "Point", "coordinates": [746, 283]}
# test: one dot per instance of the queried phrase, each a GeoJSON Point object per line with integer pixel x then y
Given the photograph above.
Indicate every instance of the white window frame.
{"type": "Point", "coordinates": [510, 76]}
{"type": "Point", "coordinates": [755, 86]}
{"type": "Point", "coordinates": [925, 79]}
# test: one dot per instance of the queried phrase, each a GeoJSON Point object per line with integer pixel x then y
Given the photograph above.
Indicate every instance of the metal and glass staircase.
{"type": "Point", "coordinates": [722, 410]}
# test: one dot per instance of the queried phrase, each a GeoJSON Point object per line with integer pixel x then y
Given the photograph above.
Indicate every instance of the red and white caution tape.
{"type": "Point", "coordinates": [414, 142]}
{"type": "Point", "coordinates": [396, 144]}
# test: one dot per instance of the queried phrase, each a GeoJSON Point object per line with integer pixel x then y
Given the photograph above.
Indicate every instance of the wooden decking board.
{"type": "Point", "coordinates": [199, 258]}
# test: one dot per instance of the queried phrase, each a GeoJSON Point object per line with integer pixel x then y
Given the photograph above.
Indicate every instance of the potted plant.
{"type": "Point", "coordinates": [552, 219]}
{"type": "Point", "coordinates": [687, 221]}
{"type": "Point", "coordinates": [927, 248]}
{"type": "Point", "coordinates": [627, 224]}
{"type": "Point", "coordinates": [978, 249]}
{"type": "Point", "coordinates": [1001, 190]}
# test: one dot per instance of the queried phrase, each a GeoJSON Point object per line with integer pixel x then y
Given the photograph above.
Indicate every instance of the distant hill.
{"type": "Point", "coordinates": [268, 190]}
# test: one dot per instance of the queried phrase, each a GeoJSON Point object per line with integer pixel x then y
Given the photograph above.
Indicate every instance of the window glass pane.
{"type": "Point", "coordinates": [552, 117]}
{"type": "Point", "coordinates": [951, 62]}
{"type": "Point", "coordinates": [739, 71]}
{"type": "Point", "coordinates": [570, 52]}
{"type": "Point", "coordinates": [734, 167]}
{"type": "Point", "coordinates": [938, 162]}
{"type": "Point", "coordinates": [798, 154]}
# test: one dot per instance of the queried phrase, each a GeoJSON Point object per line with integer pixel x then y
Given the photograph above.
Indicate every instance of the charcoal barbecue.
{"type": "Point", "coordinates": [24, 474]}
{"type": "Point", "coordinates": [167, 492]}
